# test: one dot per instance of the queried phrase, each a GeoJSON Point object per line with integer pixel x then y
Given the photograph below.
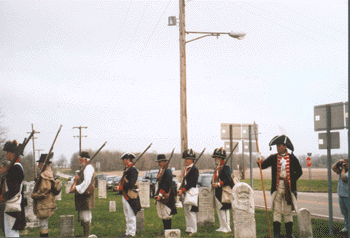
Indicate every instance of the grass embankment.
{"type": "Point", "coordinates": [112, 224]}
{"type": "Point", "coordinates": [320, 186]}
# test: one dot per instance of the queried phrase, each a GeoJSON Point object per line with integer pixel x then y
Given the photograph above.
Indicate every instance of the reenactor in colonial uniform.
{"type": "Point", "coordinates": [128, 186]}
{"type": "Point", "coordinates": [222, 183]}
{"type": "Point", "coordinates": [84, 192]}
{"type": "Point", "coordinates": [165, 198]}
{"type": "Point", "coordinates": [3, 169]}
{"type": "Point", "coordinates": [285, 172]}
{"type": "Point", "coordinates": [191, 172]}
{"type": "Point", "coordinates": [12, 192]}
{"type": "Point", "coordinates": [44, 202]}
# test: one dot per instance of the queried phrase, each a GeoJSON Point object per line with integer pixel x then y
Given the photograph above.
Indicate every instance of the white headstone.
{"type": "Point", "coordinates": [102, 189]}
{"type": "Point", "coordinates": [206, 215]}
{"type": "Point", "coordinates": [112, 206]}
{"type": "Point", "coordinates": [33, 221]}
{"type": "Point", "coordinates": [140, 220]}
{"type": "Point", "coordinates": [68, 185]}
{"type": "Point", "coordinates": [173, 233]}
{"type": "Point", "coordinates": [144, 194]}
{"type": "Point", "coordinates": [243, 211]}
{"type": "Point", "coordinates": [178, 203]}
{"type": "Point", "coordinates": [304, 222]}
{"type": "Point", "coordinates": [59, 196]}
{"type": "Point", "coordinates": [67, 226]}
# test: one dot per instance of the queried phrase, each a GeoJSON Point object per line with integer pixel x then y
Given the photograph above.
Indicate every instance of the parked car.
{"type": "Point", "coordinates": [110, 184]}
{"type": "Point", "coordinates": [100, 177]}
{"type": "Point", "coordinates": [204, 180]}
{"type": "Point", "coordinates": [151, 177]}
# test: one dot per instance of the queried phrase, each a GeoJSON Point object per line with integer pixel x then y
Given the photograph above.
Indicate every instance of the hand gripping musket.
{"type": "Point", "coordinates": [91, 188]}
{"type": "Point", "coordinates": [165, 199]}
{"type": "Point", "coordinates": [19, 151]}
{"type": "Point", "coordinates": [183, 179]}
{"type": "Point", "coordinates": [262, 178]}
{"type": "Point", "coordinates": [222, 167]}
{"type": "Point", "coordinates": [126, 170]}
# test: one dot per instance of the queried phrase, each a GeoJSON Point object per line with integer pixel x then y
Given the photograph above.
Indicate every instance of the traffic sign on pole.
{"type": "Point", "coordinates": [308, 162]}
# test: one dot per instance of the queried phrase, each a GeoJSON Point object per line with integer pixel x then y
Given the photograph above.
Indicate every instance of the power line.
{"type": "Point", "coordinates": [80, 127]}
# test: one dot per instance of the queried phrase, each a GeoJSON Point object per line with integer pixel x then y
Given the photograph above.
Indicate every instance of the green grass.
{"type": "Point", "coordinates": [112, 224]}
{"type": "Point", "coordinates": [302, 185]}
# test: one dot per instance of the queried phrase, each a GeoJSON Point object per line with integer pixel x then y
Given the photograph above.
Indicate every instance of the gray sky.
{"type": "Point", "coordinates": [113, 66]}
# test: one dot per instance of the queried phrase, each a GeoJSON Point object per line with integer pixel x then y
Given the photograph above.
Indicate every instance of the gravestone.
{"type": "Point", "coordinates": [59, 196]}
{"type": "Point", "coordinates": [205, 215]}
{"type": "Point", "coordinates": [243, 211]}
{"type": "Point", "coordinates": [144, 194]}
{"type": "Point", "coordinates": [67, 225]}
{"type": "Point", "coordinates": [33, 221]}
{"type": "Point", "coordinates": [102, 188]}
{"type": "Point", "coordinates": [174, 233]}
{"type": "Point", "coordinates": [304, 222]}
{"type": "Point", "coordinates": [112, 206]}
{"type": "Point", "coordinates": [140, 223]}
{"type": "Point", "coordinates": [178, 203]}
{"type": "Point", "coordinates": [68, 185]}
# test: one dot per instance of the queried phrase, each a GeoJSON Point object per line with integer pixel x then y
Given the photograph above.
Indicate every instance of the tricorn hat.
{"type": "Point", "coordinates": [11, 146]}
{"type": "Point", "coordinates": [130, 156]}
{"type": "Point", "coordinates": [282, 140]}
{"type": "Point", "coordinates": [161, 157]}
{"type": "Point", "coordinates": [43, 157]}
{"type": "Point", "coordinates": [220, 153]}
{"type": "Point", "coordinates": [85, 154]}
{"type": "Point", "coordinates": [188, 154]}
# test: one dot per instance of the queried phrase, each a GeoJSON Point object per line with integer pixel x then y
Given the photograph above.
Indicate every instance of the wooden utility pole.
{"type": "Point", "coordinates": [80, 127]}
{"type": "Point", "coordinates": [34, 148]}
{"type": "Point", "coordinates": [183, 95]}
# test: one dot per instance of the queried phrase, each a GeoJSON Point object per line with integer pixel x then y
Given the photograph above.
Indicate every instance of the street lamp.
{"type": "Point", "coordinates": [183, 98]}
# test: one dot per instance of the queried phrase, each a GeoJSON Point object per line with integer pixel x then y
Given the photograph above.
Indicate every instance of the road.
{"type": "Point", "coordinates": [317, 203]}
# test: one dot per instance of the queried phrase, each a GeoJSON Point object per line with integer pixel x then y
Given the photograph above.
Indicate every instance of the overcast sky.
{"type": "Point", "coordinates": [113, 66]}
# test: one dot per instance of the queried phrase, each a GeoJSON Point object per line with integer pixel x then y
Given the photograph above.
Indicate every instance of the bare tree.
{"type": "Point", "coordinates": [62, 161]}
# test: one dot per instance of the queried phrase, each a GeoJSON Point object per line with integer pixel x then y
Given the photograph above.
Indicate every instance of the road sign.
{"type": "Point", "coordinates": [337, 117]}
{"type": "Point", "coordinates": [236, 131]}
{"type": "Point", "coordinates": [308, 162]}
{"type": "Point", "coordinates": [227, 147]}
{"type": "Point", "coordinates": [322, 141]}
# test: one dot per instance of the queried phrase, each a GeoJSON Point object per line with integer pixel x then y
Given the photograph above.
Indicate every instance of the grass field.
{"type": "Point", "coordinates": [106, 224]}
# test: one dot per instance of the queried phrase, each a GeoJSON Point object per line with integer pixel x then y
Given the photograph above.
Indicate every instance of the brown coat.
{"type": "Point", "coordinates": [44, 202]}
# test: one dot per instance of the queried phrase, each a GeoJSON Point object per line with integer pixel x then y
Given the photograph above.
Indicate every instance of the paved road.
{"type": "Point", "coordinates": [317, 203]}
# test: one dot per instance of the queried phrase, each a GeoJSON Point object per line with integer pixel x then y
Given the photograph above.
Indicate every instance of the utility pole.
{"type": "Point", "coordinates": [80, 127]}
{"type": "Point", "coordinates": [183, 95]}
{"type": "Point", "coordinates": [34, 148]}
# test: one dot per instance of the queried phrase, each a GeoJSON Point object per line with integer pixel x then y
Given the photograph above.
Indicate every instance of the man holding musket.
{"type": "Point", "coordinates": [285, 172]}
{"type": "Point", "coordinates": [84, 192]}
{"type": "Point", "coordinates": [222, 183]}
{"type": "Point", "coordinates": [44, 202]}
{"type": "Point", "coordinates": [166, 197]}
{"type": "Point", "coordinates": [12, 192]}
{"type": "Point", "coordinates": [128, 186]}
{"type": "Point", "coordinates": [190, 175]}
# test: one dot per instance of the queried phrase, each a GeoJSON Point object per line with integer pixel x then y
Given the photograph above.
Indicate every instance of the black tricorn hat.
{"type": "Point", "coordinates": [130, 156]}
{"type": "Point", "coordinates": [282, 140]}
{"type": "Point", "coordinates": [85, 154]}
{"type": "Point", "coordinates": [220, 153]}
{"type": "Point", "coordinates": [188, 154]}
{"type": "Point", "coordinates": [43, 157]}
{"type": "Point", "coordinates": [11, 146]}
{"type": "Point", "coordinates": [161, 157]}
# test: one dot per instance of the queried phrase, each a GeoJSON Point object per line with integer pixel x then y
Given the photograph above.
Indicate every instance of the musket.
{"type": "Point", "coordinates": [90, 188]}
{"type": "Point", "coordinates": [183, 179]}
{"type": "Point", "coordinates": [221, 169]}
{"type": "Point", "coordinates": [46, 161]}
{"type": "Point", "coordinates": [19, 151]}
{"type": "Point", "coordinates": [161, 176]}
{"type": "Point", "coordinates": [262, 178]}
{"type": "Point", "coordinates": [127, 169]}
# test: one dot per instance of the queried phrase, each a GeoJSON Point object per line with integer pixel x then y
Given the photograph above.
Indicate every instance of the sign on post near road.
{"type": "Point", "coordinates": [308, 162]}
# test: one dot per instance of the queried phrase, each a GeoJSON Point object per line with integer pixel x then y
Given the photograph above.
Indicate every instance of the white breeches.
{"type": "Point", "coordinates": [191, 219]}
{"type": "Point", "coordinates": [85, 215]}
{"type": "Point", "coordinates": [224, 217]}
{"type": "Point", "coordinates": [44, 225]}
{"type": "Point", "coordinates": [163, 211]}
{"type": "Point", "coordinates": [280, 205]}
{"type": "Point", "coordinates": [130, 218]}
{"type": "Point", "coordinates": [9, 221]}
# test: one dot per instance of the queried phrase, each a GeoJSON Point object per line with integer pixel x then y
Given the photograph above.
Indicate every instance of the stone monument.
{"type": "Point", "coordinates": [68, 185]}
{"type": "Point", "coordinates": [112, 206]}
{"type": "Point", "coordinates": [140, 223]}
{"type": "Point", "coordinates": [102, 189]}
{"type": "Point", "coordinates": [206, 215]}
{"type": "Point", "coordinates": [67, 225]}
{"type": "Point", "coordinates": [173, 233]}
{"type": "Point", "coordinates": [144, 194]}
{"type": "Point", "coordinates": [243, 211]}
{"type": "Point", "coordinates": [304, 222]}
